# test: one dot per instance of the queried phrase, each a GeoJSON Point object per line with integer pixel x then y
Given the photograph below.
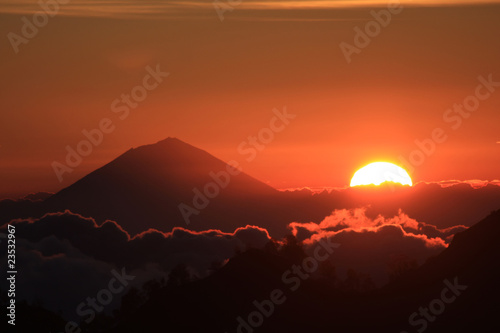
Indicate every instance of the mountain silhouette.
{"type": "Point", "coordinates": [173, 184]}
{"type": "Point", "coordinates": [144, 187]}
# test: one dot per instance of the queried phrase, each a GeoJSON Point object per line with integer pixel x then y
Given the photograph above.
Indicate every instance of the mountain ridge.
{"type": "Point", "coordinates": [150, 182]}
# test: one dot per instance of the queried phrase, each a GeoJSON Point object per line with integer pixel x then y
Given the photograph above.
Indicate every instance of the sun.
{"type": "Point", "coordinates": [378, 172]}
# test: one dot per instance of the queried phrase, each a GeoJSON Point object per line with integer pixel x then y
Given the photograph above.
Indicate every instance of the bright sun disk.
{"type": "Point", "coordinates": [378, 172]}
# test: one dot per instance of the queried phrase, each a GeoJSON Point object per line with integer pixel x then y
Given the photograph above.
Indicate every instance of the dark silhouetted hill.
{"type": "Point", "coordinates": [144, 187]}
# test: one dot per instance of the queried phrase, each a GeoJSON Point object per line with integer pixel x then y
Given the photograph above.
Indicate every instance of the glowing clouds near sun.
{"type": "Point", "coordinates": [379, 172]}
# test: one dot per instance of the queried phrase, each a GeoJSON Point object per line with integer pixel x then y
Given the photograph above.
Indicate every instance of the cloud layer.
{"type": "Point", "coordinates": [66, 257]}
{"type": "Point", "coordinates": [374, 246]}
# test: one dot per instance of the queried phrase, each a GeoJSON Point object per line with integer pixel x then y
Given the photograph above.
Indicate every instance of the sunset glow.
{"type": "Point", "coordinates": [252, 166]}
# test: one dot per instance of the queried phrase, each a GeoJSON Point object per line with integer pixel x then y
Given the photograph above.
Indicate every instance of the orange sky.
{"type": "Point", "coordinates": [227, 77]}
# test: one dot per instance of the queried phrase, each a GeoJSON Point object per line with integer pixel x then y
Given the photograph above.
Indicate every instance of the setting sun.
{"type": "Point", "coordinates": [378, 172]}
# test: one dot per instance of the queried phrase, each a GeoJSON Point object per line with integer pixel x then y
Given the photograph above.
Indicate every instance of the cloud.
{"type": "Point", "coordinates": [474, 183]}
{"type": "Point", "coordinates": [172, 9]}
{"type": "Point", "coordinates": [66, 257]}
{"type": "Point", "coordinates": [110, 243]}
{"type": "Point", "coordinates": [371, 245]}
{"type": "Point", "coordinates": [357, 219]}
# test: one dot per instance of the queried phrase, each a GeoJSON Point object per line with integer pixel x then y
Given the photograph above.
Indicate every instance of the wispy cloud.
{"type": "Point", "coordinates": [173, 8]}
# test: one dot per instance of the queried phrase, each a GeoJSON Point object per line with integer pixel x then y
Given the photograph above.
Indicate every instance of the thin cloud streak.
{"type": "Point", "coordinates": [474, 183]}
{"type": "Point", "coordinates": [168, 8]}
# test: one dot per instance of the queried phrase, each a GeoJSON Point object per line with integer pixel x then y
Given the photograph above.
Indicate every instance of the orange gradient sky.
{"type": "Point", "coordinates": [227, 77]}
